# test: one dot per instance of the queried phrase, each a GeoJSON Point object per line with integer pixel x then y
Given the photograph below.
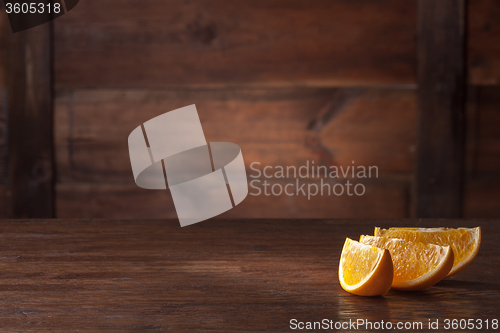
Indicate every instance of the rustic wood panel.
{"type": "Point", "coordinates": [271, 126]}
{"type": "Point", "coordinates": [3, 114]}
{"type": "Point", "coordinates": [377, 127]}
{"type": "Point", "coordinates": [483, 56]}
{"type": "Point", "coordinates": [440, 141]}
{"type": "Point", "coordinates": [3, 137]}
{"type": "Point", "coordinates": [482, 188]}
{"type": "Point", "coordinates": [117, 44]}
{"type": "Point", "coordinates": [215, 276]}
{"type": "Point", "coordinates": [92, 126]}
{"type": "Point", "coordinates": [30, 123]}
{"type": "Point", "coordinates": [83, 200]}
{"type": "Point", "coordinates": [483, 134]}
{"type": "Point", "coordinates": [383, 199]}
{"type": "Point", "coordinates": [481, 197]}
{"type": "Point", "coordinates": [3, 201]}
{"type": "Point", "coordinates": [4, 29]}
{"type": "Point", "coordinates": [206, 43]}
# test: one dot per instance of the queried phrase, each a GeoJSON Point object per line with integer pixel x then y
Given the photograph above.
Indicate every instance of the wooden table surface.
{"type": "Point", "coordinates": [217, 275]}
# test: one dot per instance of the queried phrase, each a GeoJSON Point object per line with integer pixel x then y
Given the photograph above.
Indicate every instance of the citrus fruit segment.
{"type": "Point", "coordinates": [365, 270]}
{"type": "Point", "coordinates": [416, 265]}
{"type": "Point", "coordinates": [463, 241]}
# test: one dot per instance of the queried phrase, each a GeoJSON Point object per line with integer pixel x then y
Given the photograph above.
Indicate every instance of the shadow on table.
{"type": "Point", "coordinates": [468, 285]}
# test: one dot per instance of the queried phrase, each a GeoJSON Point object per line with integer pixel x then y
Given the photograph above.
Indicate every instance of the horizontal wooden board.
{"type": "Point", "coordinates": [92, 127]}
{"type": "Point", "coordinates": [373, 127]}
{"type": "Point", "coordinates": [377, 128]}
{"type": "Point", "coordinates": [382, 199]}
{"type": "Point", "coordinates": [224, 276]}
{"type": "Point", "coordinates": [483, 47]}
{"type": "Point", "coordinates": [481, 197]}
{"type": "Point", "coordinates": [483, 144]}
{"type": "Point", "coordinates": [119, 44]}
{"type": "Point", "coordinates": [114, 43]}
{"type": "Point", "coordinates": [112, 201]}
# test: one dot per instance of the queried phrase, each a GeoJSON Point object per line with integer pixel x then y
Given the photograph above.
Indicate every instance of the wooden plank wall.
{"type": "Point", "coordinates": [439, 168]}
{"type": "Point", "coordinates": [3, 117]}
{"type": "Point", "coordinates": [482, 189]}
{"type": "Point", "coordinates": [273, 67]}
{"type": "Point", "coordinates": [260, 72]}
{"type": "Point", "coordinates": [270, 125]}
{"type": "Point", "coordinates": [30, 167]}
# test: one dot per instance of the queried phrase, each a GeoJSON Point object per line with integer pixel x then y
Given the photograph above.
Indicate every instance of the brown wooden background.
{"type": "Point", "coordinates": [260, 73]}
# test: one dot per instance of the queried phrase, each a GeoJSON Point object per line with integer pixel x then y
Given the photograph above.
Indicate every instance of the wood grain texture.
{"type": "Point", "coordinates": [117, 44]}
{"type": "Point", "coordinates": [482, 187]}
{"type": "Point", "coordinates": [376, 127]}
{"type": "Point", "coordinates": [383, 198]}
{"type": "Point", "coordinates": [483, 56]}
{"type": "Point", "coordinates": [441, 135]}
{"type": "Point", "coordinates": [30, 123]}
{"type": "Point", "coordinates": [215, 276]}
{"type": "Point", "coordinates": [205, 43]}
{"type": "Point", "coordinates": [483, 119]}
{"type": "Point", "coordinates": [91, 200]}
{"type": "Point", "coordinates": [4, 29]}
{"type": "Point", "coordinates": [3, 137]}
{"type": "Point", "coordinates": [3, 111]}
{"type": "Point", "coordinates": [3, 201]}
{"type": "Point", "coordinates": [481, 196]}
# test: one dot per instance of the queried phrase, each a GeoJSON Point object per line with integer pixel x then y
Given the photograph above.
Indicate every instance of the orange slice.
{"type": "Point", "coordinates": [416, 265]}
{"type": "Point", "coordinates": [365, 270]}
{"type": "Point", "coordinates": [463, 241]}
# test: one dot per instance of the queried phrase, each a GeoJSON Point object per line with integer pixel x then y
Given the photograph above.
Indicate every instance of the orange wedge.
{"type": "Point", "coordinates": [463, 241]}
{"type": "Point", "coordinates": [365, 270]}
{"type": "Point", "coordinates": [416, 265]}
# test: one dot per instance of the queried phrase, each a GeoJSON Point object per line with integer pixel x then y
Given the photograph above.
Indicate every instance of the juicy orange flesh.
{"type": "Point", "coordinates": [461, 240]}
{"type": "Point", "coordinates": [358, 261]}
{"type": "Point", "coordinates": [411, 260]}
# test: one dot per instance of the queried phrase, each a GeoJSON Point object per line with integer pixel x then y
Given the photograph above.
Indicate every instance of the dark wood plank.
{"type": "Point", "coordinates": [483, 49]}
{"type": "Point", "coordinates": [3, 137]}
{"type": "Point", "coordinates": [91, 200]}
{"type": "Point", "coordinates": [483, 137]}
{"type": "Point", "coordinates": [374, 127]}
{"type": "Point", "coordinates": [3, 110]}
{"type": "Point", "coordinates": [383, 199]}
{"type": "Point", "coordinates": [92, 126]}
{"type": "Point", "coordinates": [30, 139]}
{"type": "Point", "coordinates": [215, 276]}
{"type": "Point", "coordinates": [3, 163]}
{"type": "Point", "coordinates": [440, 139]}
{"type": "Point", "coordinates": [3, 201]}
{"type": "Point", "coordinates": [222, 36]}
{"type": "Point", "coordinates": [3, 32]}
{"type": "Point", "coordinates": [481, 197]}
{"type": "Point", "coordinates": [117, 44]}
